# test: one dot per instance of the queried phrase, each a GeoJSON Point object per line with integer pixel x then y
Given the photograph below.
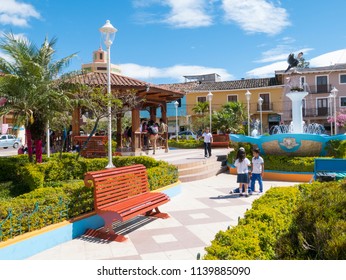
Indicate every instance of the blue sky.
{"type": "Point", "coordinates": [160, 41]}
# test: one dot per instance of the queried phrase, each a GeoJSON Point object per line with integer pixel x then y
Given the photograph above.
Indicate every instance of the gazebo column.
{"type": "Point", "coordinates": [136, 134]}
{"type": "Point", "coordinates": [164, 118]}
{"type": "Point", "coordinates": [153, 113]}
{"type": "Point", "coordinates": [119, 137]}
{"type": "Point", "coordinates": [75, 122]}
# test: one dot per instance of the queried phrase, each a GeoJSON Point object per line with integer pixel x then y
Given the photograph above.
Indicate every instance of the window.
{"type": "Point", "coordinates": [201, 99]}
{"type": "Point", "coordinates": [266, 101]}
{"type": "Point", "coordinates": [101, 56]}
{"type": "Point", "coordinates": [322, 84]}
{"type": "Point", "coordinates": [342, 78]}
{"type": "Point", "coordinates": [179, 102]}
{"type": "Point", "coordinates": [232, 98]}
{"type": "Point", "coordinates": [322, 106]}
{"type": "Point", "coordinates": [302, 82]}
{"type": "Point", "coordinates": [343, 101]}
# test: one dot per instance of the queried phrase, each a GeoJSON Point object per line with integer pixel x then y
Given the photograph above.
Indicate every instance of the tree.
{"type": "Point", "coordinates": [201, 108]}
{"type": "Point", "coordinates": [230, 117]}
{"type": "Point", "coordinates": [340, 118]}
{"type": "Point", "coordinates": [96, 100]}
{"type": "Point", "coordinates": [29, 84]}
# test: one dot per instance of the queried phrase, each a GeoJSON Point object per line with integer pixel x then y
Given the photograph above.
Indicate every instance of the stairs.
{"type": "Point", "coordinates": [191, 163]}
{"type": "Point", "coordinates": [202, 169]}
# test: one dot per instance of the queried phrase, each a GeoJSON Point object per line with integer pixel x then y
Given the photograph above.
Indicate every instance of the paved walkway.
{"type": "Point", "coordinates": [197, 213]}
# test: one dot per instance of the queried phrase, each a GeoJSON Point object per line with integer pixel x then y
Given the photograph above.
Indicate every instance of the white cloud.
{"type": "Point", "coordinates": [327, 59]}
{"type": "Point", "coordinates": [15, 13]}
{"type": "Point", "coordinates": [188, 13]}
{"type": "Point", "coordinates": [174, 73]}
{"type": "Point", "coordinates": [256, 16]}
{"type": "Point", "coordinates": [181, 14]}
{"type": "Point", "coordinates": [267, 70]}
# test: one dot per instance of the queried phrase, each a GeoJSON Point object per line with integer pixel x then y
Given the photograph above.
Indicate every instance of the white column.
{"type": "Point", "coordinates": [297, 109]}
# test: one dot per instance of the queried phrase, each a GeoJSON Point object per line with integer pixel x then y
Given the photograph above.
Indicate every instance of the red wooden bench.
{"type": "Point", "coordinates": [220, 141]}
{"type": "Point", "coordinates": [96, 146]}
{"type": "Point", "coordinates": [120, 194]}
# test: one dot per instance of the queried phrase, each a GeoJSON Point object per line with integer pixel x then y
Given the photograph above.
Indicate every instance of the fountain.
{"type": "Point", "coordinates": [295, 139]}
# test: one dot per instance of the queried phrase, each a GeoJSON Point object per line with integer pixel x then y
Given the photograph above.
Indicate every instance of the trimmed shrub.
{"type": "Point", "coordinates": [185, 144]}
{"type": "Point", "coordinates": [255, 236]}
{"type": "Point", "coordinates": [319, 225]}
{"type": "Point", "coordinates": [44, 206]}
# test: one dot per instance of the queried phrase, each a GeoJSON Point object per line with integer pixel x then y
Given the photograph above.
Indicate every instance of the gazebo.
{"type": "Point", "coordinates": [154, 97]}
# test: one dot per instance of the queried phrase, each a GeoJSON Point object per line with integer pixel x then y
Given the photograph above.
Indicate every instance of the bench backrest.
{"type": "Point", "coordinates": [113, 184]}
{"type": "Point", "coordinates": [330, 164]}
{"type": "Point", "coordinates": [220, 138]}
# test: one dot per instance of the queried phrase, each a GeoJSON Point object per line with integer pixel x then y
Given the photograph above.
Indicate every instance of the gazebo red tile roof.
{"type": "Point", "coordinates": [151, 92]}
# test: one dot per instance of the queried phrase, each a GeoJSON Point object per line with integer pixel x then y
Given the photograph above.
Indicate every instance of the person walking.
{"type": "Point", "coordinates": [162, 133]}
{"type": "Point", "coordinates": [153, 131]}
{"type": "Point", "coordinates": [208, 139]}
{"type": "Point", "coordinates": [242, 164]}
{"type": "Point", "coordinates": [257, 170]}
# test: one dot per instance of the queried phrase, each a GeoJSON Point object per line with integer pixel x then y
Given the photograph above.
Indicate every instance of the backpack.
{"type": "Point", "coordinates": [153, 129]}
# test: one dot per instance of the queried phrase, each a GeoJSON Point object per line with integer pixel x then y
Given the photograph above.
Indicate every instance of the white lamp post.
{"type": "Point", "coordinates": [248, 96]}
{"type": "Point", "coordinates": [334, 93]}
{"type": "Point", "coordinates": [330, 107]}
{"type": "Point", "coordinates": [210, 97]}
{"type": "Point", "coordinates": [260, 102]}
{"type": "Point", "coordinates": [176, 104]}
{"type": "Point", "coordinates": [108, 32]}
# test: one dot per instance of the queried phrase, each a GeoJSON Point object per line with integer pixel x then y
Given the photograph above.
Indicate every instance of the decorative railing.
{"type": "Point", "coordinates": [26, 221]}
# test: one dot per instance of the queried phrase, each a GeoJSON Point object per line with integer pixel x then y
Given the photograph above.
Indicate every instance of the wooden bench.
{"type": "Point", "coordinates": [120, 194]}
{"type": "Point", "coordinates": [96, 146]}
{"type": "Point", "coordinates": [220, 141]}
{"type": "Point", "coordinates": [329, 169]}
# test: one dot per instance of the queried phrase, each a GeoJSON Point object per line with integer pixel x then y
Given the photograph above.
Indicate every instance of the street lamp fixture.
{"type": "Point", "coordinates": [260, 102]}
{"type": "Point", "coordinates": [210, 97]}
{"type": "Point", "coordinates": [248, 96]}
{"type": "Point", "coordinates": [176, 104]}
{"type": "Point", "coordinates": [108, 33]}
{"type": "Point", "coordinates": [334, 93]}
{"type": "Point", "coordinates": [330, 108]}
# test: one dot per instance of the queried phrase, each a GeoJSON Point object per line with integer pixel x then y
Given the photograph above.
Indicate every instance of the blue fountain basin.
{"type": "Point", "coordinates": [293, 144]}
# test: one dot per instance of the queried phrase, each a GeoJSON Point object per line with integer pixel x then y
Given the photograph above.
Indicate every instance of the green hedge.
{"type": "Point", "coordinates": [44, 206]}
{"type": "Point", "coordinates": [29, 176]}
{"type": "Point", "coordinates": [281, 163]}
{"type": "Point", "coordinates": [185, 144]}
{"type": "Point", "coordinates": [318, 230]}
{"type": "Point", "coordinates": [255, 236]}
{"type": "Point", "coordinates": [307, 221]}
{"type": "Point", "coordinates": [54, 190]}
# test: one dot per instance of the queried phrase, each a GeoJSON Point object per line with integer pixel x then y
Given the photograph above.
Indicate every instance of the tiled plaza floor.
{"type": "Point", "coordinates": [197, 213]}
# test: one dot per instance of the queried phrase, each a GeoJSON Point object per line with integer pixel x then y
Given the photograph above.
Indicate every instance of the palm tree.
{"type": "Point", "coordinates": [29, 85]}
{"type": "Point", "coordinates": [201, 108]}
{"type": "Point", "coordinates": [230, 117]}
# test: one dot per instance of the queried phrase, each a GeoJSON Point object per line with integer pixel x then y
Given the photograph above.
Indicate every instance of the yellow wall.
{"type": "Point", "coordinates": [276, 95]}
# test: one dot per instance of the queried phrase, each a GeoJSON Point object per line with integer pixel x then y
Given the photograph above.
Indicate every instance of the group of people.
{"type": "Point", "coordinates": [249, 171]}
{"type": "Point", "coordinates": [151, 132]}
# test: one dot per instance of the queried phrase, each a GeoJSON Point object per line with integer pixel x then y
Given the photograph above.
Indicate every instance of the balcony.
{"type": "Point", "coordinates": [316, 112]}
{"type": "Point", "coordinates": [320, 88]}
{"type": "Point", "coordinates": [265, 107]}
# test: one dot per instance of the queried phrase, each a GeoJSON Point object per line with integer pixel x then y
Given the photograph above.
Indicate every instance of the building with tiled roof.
{"type": "Point", "coordinates": [317, 106]}
{"type": "Point", "coordinates": [269, 89]}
